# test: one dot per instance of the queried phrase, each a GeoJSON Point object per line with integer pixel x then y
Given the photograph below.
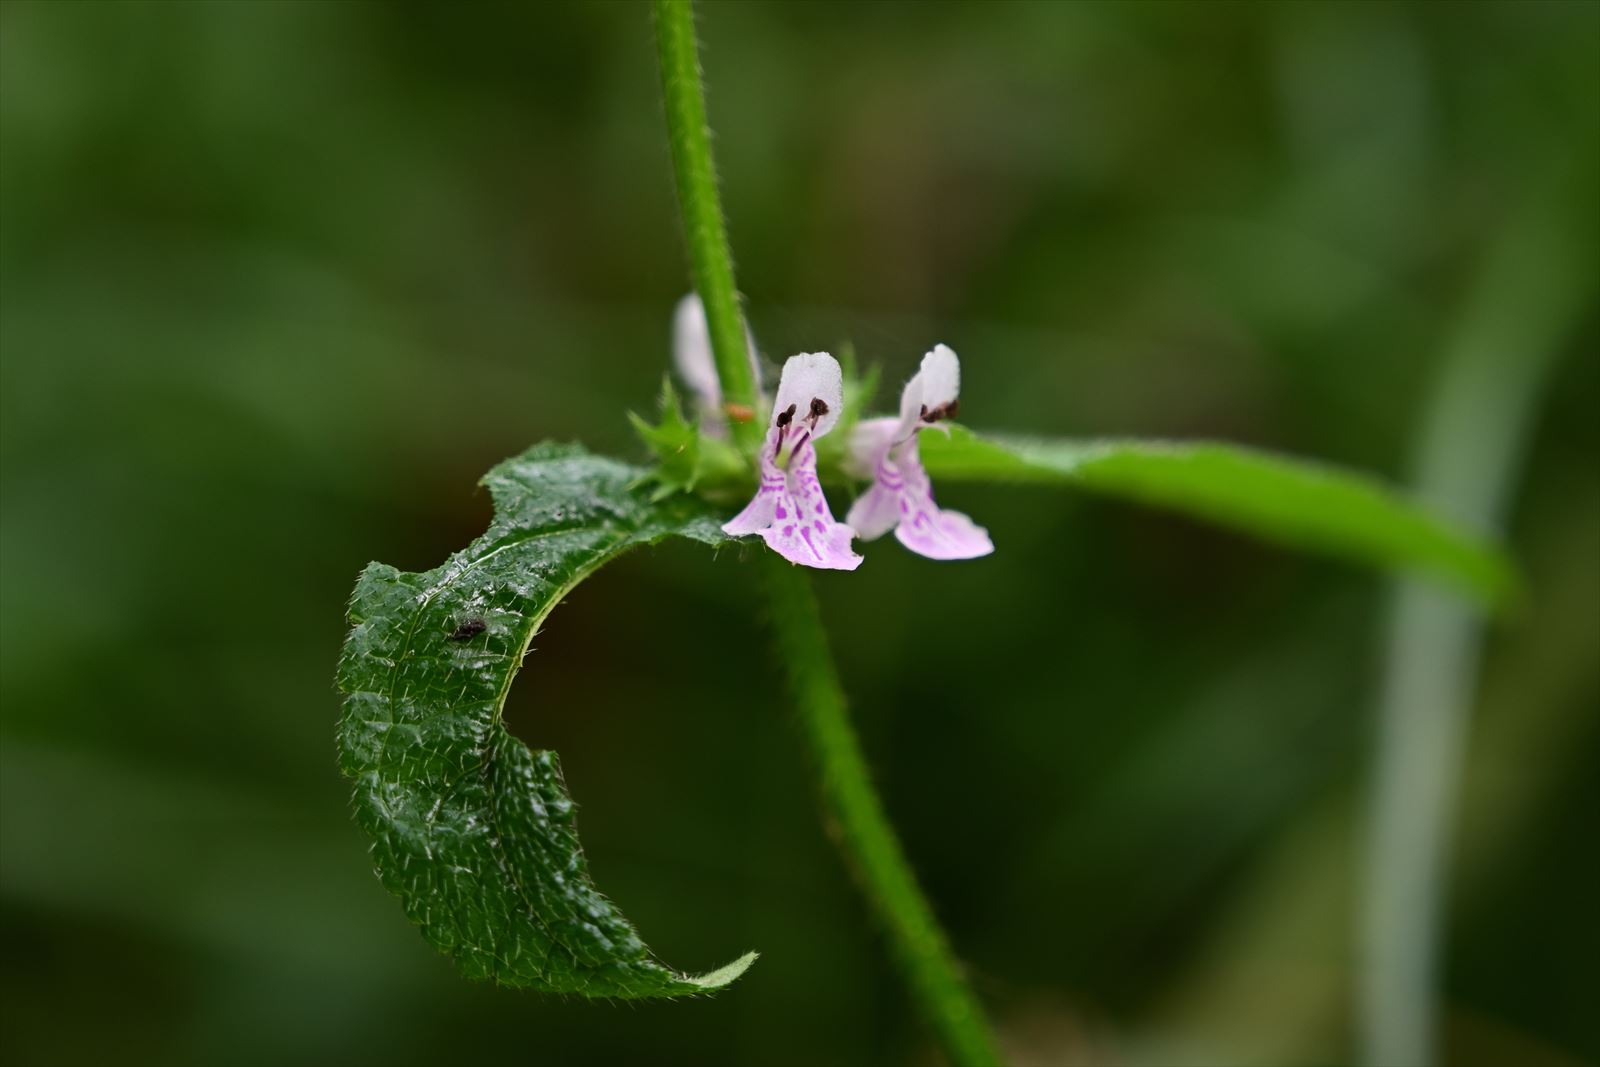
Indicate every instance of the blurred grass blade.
{"type": "Point", "coordinates": [1533, 289]}
{"type": "Point", "coordinates": [1292, 502]}
{"type": "Point", "coordinates": [472, 831]}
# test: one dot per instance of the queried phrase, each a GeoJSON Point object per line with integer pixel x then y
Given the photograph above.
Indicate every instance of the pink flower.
{"type": "Point", "coordinates": [691, 355]}
{"type": "Point", "coordinates": [789, 511]}
{"type": "Point", "coordinates": [901, 496]}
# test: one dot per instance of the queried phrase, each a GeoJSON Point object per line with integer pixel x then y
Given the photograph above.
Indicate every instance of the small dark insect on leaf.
{"type": "Point", "coordinates": [469, 629]}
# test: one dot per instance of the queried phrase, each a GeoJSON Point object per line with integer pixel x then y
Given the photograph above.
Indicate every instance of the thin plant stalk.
{"type": "Point", "coordinates": [860, 825]}
{"type": "Point", "coordinates": [700, 204]}
{"type": "Point", "coordinates": [865, 835]}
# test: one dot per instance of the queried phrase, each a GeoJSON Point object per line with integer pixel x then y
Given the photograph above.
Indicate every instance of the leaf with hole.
{"type": "Point", "coordinates": [471, 830]}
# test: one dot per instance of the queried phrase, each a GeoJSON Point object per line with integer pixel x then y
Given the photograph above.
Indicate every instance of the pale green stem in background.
{"type": "Point", "coordinates": [710, 261]}
{"type": "Point", "coordinates": [864, 834]}
{"type": "Point", "coordinates": [860, 825]}
{"type": "Point", "coordinates": [1527, 299]}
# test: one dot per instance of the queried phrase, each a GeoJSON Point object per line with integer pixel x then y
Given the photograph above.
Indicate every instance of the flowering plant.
{"type": "Point", "coordinates": [475, 833]}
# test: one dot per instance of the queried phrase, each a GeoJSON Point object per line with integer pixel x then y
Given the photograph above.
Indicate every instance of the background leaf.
{"type": "Point", "coordinates": [1289, 501]}
{"type": "Point", "coordinates": [471, 830]}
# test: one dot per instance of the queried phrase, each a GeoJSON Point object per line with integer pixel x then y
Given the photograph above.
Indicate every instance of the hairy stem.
{"type": "Point", "coordinates": [862, 828]}
{"type": "Point", "coordinates": [710, 261]}
{"type": "Point", "coordinates": [865, 836]}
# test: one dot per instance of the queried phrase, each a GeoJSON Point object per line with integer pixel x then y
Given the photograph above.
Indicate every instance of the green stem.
{"type": "Point", "coordinates": [863, 830]}
{"type": "Point", "coordinates": [710, 262]}
{"type": "Point", "coordinates": [865, 836]}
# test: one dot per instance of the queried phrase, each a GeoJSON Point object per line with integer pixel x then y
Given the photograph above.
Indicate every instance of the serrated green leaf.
{"type": "Point", "coordinates": [1288, 501]}
{"type": "Point", "coordinates": [471, 830]}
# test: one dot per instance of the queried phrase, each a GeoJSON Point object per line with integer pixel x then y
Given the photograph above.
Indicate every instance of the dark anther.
{"type": "Point", "coordinates": [943, 411]}
{"type": "Point", "coordinates": [818, 408]}
{"type": "Point", "coordinates": [785, 417]}
{"type": "Point", "coordinates": [923, 414]}
{"type": "Point", "coordinates": [469, 629]}
{"type": "Point", "coordinates": [951, 408]}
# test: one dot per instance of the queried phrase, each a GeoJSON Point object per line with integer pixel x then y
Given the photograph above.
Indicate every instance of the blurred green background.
{"type": "Point", "coordinates": [279, 281]}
